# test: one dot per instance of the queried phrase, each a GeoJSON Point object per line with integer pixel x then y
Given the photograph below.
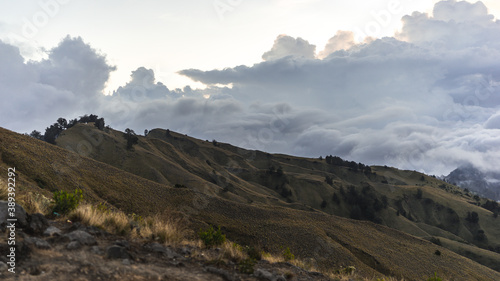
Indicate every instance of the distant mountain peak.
{"type": "Point", "coordinates": [468, 176]}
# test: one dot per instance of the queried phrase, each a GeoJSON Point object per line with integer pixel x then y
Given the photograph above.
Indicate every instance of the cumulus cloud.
{"type": "Point", "coordinates": [343, 40]}
{"type": "Point", "coordinates": [286, 45]}
{"type": "Point", "coordinates": [426, 99]}
{"type": "Point", "coordinates": [454, 25]}
{"type": "Point", "coordinates": [72, 77]}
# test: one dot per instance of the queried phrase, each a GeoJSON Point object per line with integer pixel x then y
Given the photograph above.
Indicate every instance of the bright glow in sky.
{"type": "Point", "coordinates": [168, 36]}
{"type": "Point", "coordinates": [288, 76]}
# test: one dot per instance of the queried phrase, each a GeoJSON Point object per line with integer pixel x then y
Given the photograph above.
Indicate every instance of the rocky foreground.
{"type": "Point", "coordinates": [61, 250]}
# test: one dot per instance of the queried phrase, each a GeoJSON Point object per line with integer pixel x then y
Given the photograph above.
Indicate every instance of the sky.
{"type": "Point", "coordinates": [410, 84]}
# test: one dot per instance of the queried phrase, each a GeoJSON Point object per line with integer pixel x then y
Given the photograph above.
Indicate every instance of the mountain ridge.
{"type": "Point", "coordinates": [239, 196]}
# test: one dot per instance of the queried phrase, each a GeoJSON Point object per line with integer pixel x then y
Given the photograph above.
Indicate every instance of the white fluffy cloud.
{"type": "Point", "coordinates": [426, 99]}
{"type": "Point", "coordinates": [343, 40]}
{"type": "Point", "coordinates": [288, 46]}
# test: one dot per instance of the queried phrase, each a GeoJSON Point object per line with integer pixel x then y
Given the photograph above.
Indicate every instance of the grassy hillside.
{"type": "Point", "coordinates": [409, 201]}
{"type": "Point", "coordinates": [263, 206]}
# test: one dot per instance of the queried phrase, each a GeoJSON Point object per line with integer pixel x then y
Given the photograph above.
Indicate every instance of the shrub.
{"type": "Point", "coordinates": [435, 278]}
{"type": "Point", "coordinates": [66, 202]}
{"type": "Point", "coordinates": [246, 266]}
{"type": "Point", "coordinates": [212, 237]}
{"type": "Point", "coordinates": [287, 254]}
{"type": "Point", "coordinates": [254, 252]}
{"type": "Point", "coordinates": [472, 217]}
{"type": "Point", "coordinates": [324, 204]}
{"type": "Point", "coordinates": [435, 241]}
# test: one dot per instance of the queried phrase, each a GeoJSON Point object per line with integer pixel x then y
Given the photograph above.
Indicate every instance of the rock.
{"type": "Point", "coordinates": [155, 247]}
{"type": "Point", "coordinates": [185, 251]}
{"type": "Point", "coordinates": [3, 266]}
{"type": "Point", "coordinates": [158, 248]}
{"type": "Point", "coordinates": [82, 237]}
{"type": "Point", "coordinates": [73, 245]}
{"type": "Point", "coordinates": [221, 272]}
{"type": "Point", "coordinates": [96, 250]}
{"type": "Point", "coordinates": [126, 262]}
{"type": "Point", "coordinates": [38, 242]}
{"type": "Point", "coordinates": [20, 215]}
{"type": "Point", "coordinates": [94, 230]}
{"type": "Point", "coordinates": [280, 278]}
{"type": "Point", "coordinates": [264, 274]}
{"type": "Point", "coordinates": [123, 243]}
{"type": "Point", "coordinates": [52, 231]}
{"type": "Point", "coordinates": [37, 223]}
{"type": "Point", "coordinates": [171, 254]}
{"type": "Point", "coordinates": [117, 252]}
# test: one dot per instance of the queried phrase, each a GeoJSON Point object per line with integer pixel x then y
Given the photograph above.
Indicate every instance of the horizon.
{"type": "Point", "coordinates": [422, 93]}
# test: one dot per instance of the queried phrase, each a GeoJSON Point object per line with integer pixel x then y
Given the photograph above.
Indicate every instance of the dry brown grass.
{"type": "Point", "coordinates": [341, 274]}
{"type": "Point", "coordinates": [233, 251]}
{"type": "Point", "coordinates": [32, 202]}
{"type": "Point", "coordinates": [112, 222]}
{"type": "Point", "coordinates": [164, 229]}
{"type": "Point", "coordinates": [35, 203]}
{"type": "Point", "coordinates": [3, 190]}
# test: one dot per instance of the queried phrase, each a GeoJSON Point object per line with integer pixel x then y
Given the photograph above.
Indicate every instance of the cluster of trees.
{"type": "Point", "coordinates": [365, 204]}
{"type": "Point", "coordinates": [337, 161]}
{"type": "Point", "coordinates": [492, 206]}
{"type": "Point", "coordinates": [472, 217]}
{"type": "Point", "coordinates": [54, 130]}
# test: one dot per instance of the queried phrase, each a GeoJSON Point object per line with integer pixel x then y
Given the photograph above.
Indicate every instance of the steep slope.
{"type": "Point", "coordinates": [331, 240]}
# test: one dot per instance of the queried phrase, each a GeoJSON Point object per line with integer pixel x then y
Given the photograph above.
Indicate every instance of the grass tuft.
{"type": "Point", "coordinates": [163, 229]}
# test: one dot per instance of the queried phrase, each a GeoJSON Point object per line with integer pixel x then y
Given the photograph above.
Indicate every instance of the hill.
{"type": "Point", "coordinates": [484, 184]}
{"type": "Point", "coordinates": [270, 201]}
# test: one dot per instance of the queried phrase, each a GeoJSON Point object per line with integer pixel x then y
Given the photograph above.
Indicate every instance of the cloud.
{"type": "Point", "coordinates": [70, 79]}
{"type": "Point", "coordinates": [493, 122]}
{"type": "Point", "coordinates": [343, 40]}
{"type": "Point", "coordinates": [426, 99]}
{"type": "Point", "coordinates": [288, 46]}
{"type": "Point", "coordinates": [454, 25]}
{"type": "Point", "coordinates": [418, 100]}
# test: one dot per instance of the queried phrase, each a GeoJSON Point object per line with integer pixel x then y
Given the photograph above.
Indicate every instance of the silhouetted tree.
{"type": "Point", "coordinates": [52, 132]}
{"type": "Point", "coordinates": [72, 123]}
{"type": "Point", "coordinates": [62, 123]}
{"type": "Point", "coordinates": [99, 123]}
{"type": "Point", "coordinates": [83, 119]}
{"type": "Point", "coordinates": [36, 134]}
{"type": "Point", "coordinates": [131, 138]}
